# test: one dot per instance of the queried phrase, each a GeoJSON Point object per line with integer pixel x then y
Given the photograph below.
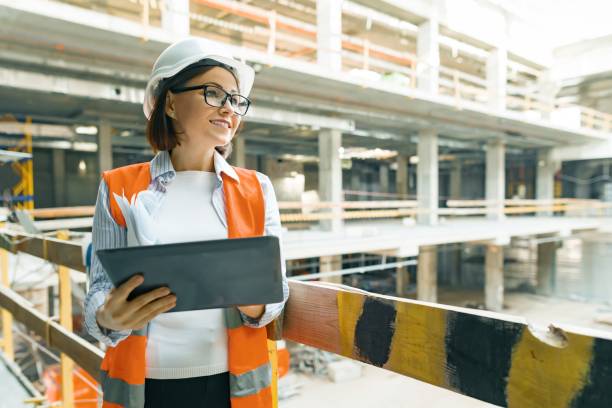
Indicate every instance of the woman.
{"type": "Point", "coordinates": [194, 102]}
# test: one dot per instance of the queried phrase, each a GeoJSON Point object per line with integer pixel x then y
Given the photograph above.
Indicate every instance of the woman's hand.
{"type": "Point", "coordinates": [118, 313]}
{"type": "Point", "coordinates": [253, 311]}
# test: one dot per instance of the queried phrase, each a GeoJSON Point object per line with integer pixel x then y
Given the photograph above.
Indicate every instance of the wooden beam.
{"type": "Point", "coordinates": [63, 212]}
{"type": "Point", "coordinates": [7, 318]}
{"type": "Point", "coordinates": [83, 353]}
{"type": "Point", "coordinates": [65, 306]}
{"type": "Point", "coordinates": [57, 251]}
{"type": "Point", "coordinates": [492, 357]}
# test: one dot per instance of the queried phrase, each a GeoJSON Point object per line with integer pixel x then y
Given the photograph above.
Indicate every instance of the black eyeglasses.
{"type": "Point", "coordinates": [216, 96]}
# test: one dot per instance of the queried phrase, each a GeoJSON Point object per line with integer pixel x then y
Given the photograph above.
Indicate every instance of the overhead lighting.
{"type": "Point", "coordinates": [84, 146]}
{"type": "Point", "coordinates": [414, 159]}
{"type": "Point", "coordinates": [300, 158]}
{"type": "Point", "coordinates": [82, 167]}
{"type": "Point", "coordinates": [86, 130]}
{"type": "Point", "coordinates": [365, 74]}
{"type": "Point", "coordinates": [364, 153]}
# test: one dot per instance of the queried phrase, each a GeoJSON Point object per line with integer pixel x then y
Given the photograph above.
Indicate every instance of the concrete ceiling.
{"type": "Point", "coordinates": [114, 53]}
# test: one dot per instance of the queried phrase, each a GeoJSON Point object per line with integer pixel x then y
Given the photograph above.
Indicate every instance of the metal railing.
{"type": "Point", "coordinates": [301, 212]}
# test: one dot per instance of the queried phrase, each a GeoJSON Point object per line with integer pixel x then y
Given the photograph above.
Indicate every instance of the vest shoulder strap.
{"type": "Point", "coordinates": [245, 207]}
{"type": "Point", "coordinates": [128, 180]}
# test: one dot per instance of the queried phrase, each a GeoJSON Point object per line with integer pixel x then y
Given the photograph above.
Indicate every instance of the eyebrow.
{"type": "Point", "coordinates": [234, 91]}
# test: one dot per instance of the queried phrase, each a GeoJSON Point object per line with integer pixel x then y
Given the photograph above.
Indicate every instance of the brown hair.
{"type": "Point", "coordinates": [160, 131]}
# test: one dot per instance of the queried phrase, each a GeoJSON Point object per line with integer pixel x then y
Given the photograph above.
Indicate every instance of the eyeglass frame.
{"type": "Point", "coordinates": [181, 89]}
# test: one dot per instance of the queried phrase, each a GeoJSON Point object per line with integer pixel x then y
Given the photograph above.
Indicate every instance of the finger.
{"type": "Point", "coordinates": [153, 310]}
{"type": "Point", "coordinates": [125, 313]}
{"type": "Point", "coordinates": [152, 307]}
{"type": "Point", "coordinates": [126, 288]}
{"type": "Point", "coordinates": [146, 298]}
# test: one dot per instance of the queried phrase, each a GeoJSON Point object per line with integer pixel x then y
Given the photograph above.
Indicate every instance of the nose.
{"type": "Point", "coordinates": [228, 106]}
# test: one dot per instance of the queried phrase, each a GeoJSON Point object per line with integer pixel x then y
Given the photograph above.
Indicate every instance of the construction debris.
{"type": "Point", "coordinates": [310, 360]}
{"type": "Point", "coordinates": [344, 370]}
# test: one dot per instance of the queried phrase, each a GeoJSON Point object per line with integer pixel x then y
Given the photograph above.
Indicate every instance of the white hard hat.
{"type": "Point", "coordinates": [182, 54]}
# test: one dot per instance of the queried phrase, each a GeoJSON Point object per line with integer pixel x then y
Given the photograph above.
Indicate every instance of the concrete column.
{"type": "Point", "coordinates": [427, 274]}
{"type": "Point", "coordinates": [330, 175]}
{"type": "Point", "coordinates": [59, 177]}
{"type": "Point", "coordinates": [547, 267]}
{"type": "Point", "coordinates": [583, 189]}
{"type": "Point", "coordinates": [455, 265]}
{"type": "Point", "coordinates": [428, 57]}
{"type": "Point", "coordinates": [402, 279]}
{"type": "Point", "coordinates": [401, 178]}
{"type": "Point", "coordinates": [497, 65]}
{"type": "Point", "coordinates": [496, 179]}
{"type": "Point", "coordinates": [331, 264]}
{"type": "Point", "coordinates": [105, 146]}
{"type": "Point", "coordinates": [545, 181]}
{"type": "Point", "coordinates": [455, 180]}
{"type": "Point", "coordinates": [548, 91]}
{"type": "Point", "coordinates": [239, 152]}
{"type": "Point", "coordinates": [175, 17]}
{"type": "Point", "coordinates": [427, 177]}
{"type": "Point", "coordinates": [356, 183]}
{"type": "Point", "coordinates": [494, 278]}
{"type": "Point", "coordinates": [383, 172]}
{"type": "Point", "coordinates": [329, 34]}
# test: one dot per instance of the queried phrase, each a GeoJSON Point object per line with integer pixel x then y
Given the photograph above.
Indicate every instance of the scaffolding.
{"type": "Point", "coordinates": [20, 157]}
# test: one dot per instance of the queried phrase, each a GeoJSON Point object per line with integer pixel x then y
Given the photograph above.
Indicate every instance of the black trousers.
{"type": "Point", "coordinates": [198, 392]}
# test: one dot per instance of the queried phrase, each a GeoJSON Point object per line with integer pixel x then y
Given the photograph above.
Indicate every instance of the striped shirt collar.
{"type": "Point", "coordinates": [161, 166]}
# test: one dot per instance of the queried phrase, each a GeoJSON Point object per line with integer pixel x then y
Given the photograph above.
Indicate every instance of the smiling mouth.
{"type": "Point", "coordinates": [221, 124]}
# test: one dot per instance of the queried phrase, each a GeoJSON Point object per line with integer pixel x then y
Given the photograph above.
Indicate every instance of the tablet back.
{"type": "Point", "coordinates": [203, 274]}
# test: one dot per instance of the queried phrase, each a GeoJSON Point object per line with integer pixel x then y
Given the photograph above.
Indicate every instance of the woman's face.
{"type": "Point", "coordinates": [198, 122]}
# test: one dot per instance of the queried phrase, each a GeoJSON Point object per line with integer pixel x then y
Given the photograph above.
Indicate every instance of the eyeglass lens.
{"type": "Point", "coordinates": [216, 96]}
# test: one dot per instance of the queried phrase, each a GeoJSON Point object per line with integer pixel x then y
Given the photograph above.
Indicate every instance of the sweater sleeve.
{"type": "Point", "coordinates": [106, 233]}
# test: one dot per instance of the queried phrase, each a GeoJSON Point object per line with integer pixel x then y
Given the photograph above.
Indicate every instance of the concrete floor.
{"type": "Point", "coordinates": [12, 392]}
{"type": "Point", "coordinates": [393, 235]}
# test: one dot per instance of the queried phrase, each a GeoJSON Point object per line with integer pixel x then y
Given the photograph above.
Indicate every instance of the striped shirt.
{"type": "Point", "coordinates": [106, 233]}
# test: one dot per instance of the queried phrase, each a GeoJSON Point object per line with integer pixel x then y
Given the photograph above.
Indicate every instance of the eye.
{"type": "Point", "coordinates": [239, 101]}
{"type": "Point", "coordinates": [212, 92]}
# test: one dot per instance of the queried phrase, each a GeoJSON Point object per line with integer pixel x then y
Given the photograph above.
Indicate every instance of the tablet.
{"type": "Point", "coordinates": [203, 274]}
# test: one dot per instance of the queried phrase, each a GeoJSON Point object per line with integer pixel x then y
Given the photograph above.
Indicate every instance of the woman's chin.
{"type": "Point", "coordinates": [221, 139]}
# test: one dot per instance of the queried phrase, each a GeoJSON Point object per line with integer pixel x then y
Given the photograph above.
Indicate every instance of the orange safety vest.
{"type": "Point", "coordinates": [252, 357]}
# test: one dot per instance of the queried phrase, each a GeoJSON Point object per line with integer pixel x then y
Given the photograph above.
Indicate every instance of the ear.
{"type": "Point", "coordinates": [169, 110]}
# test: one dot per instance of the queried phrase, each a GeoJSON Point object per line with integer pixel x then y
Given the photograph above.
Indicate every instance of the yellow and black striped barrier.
{"type": "Point", "coordinates": [491, 357]}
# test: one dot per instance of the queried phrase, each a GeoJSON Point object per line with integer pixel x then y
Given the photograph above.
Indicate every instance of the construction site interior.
{"type": "Point", "coordinates": [442, 170]}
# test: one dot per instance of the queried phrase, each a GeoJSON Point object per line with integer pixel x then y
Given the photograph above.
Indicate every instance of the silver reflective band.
{"type": "Point", "coordinates": [232, 318]}
{"type": "Point", "coordinates": [119, 392]}
{"type": "Point", "coordinates": [251, 382]}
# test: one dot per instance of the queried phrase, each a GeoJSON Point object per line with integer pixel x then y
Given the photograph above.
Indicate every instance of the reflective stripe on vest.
{"type": "Point", "coordinates": [252, 376]}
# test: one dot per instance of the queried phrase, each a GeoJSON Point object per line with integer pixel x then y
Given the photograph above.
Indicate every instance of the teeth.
{"type": "Point", "coordinates": [220, 123]}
